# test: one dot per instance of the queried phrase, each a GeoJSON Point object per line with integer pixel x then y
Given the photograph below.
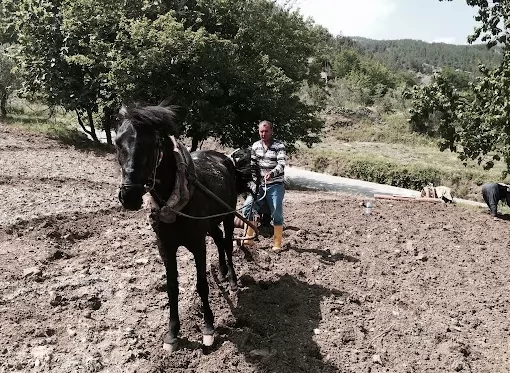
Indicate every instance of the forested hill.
{"type": "Point", "coordinates": [422, 56]}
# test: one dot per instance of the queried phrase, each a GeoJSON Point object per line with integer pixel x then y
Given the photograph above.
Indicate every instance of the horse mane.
{"type": "Point", "coordinates": [160, 118]}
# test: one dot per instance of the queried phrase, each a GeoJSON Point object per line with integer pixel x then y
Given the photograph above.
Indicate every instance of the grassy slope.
{"type": "Point", "coordinates": [57, 125]}
{"type": "Point", "coordinates": [392, 145]}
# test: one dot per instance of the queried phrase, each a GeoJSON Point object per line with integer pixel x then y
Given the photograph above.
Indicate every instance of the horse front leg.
{"type": "Point", "coordinates": [203, 292]}
{"type": "Point", "coordinates": [170, 341]}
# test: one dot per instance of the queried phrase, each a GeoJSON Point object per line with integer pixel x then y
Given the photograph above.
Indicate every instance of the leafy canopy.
{"type": "Point", "coordinates": [226, 64]}
{"type": "Point", "coordinates": [473, 120]}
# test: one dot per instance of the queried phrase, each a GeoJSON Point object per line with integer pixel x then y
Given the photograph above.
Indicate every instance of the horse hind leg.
{"type": "Point", "coordinates": [217, 235]}
{"type": "Point", "coordinates": [203, 292]}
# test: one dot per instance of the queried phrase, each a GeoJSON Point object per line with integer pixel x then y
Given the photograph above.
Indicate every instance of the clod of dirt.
{"type": "Point", "coordinates": [56, 299]}
{"type": "Point", "coordinates": [457, 366]}
{"type": "Point", "coordinates": [422, 258]}
{"type": "Point", "coordinates": [94, 303]}
{"type": "Point", "coordinates": [142, 261]}
{"type": "Point", "coordinates": [71, 332]}
{"type": "Point", "coordinates": [42, 352]}
{"type": "Point", "coordinates": [32, 271]}
{"type": "Point", "coordinates": [57, 254]}
{"type": "Point", "coordinates": [94, 365]}
{"type": "Point", "coordinates": [376, 359]}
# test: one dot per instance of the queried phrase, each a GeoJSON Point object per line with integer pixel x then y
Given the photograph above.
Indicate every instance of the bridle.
{"type": "Point", "coordinates": [151, 181]}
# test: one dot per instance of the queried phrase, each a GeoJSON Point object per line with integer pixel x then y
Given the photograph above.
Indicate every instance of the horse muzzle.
{"type": "Point", "coordinates": [131, 196]}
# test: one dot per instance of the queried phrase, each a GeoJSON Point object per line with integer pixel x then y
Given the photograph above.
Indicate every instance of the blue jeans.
{"type": "Point", "coordinates": [274, 194]}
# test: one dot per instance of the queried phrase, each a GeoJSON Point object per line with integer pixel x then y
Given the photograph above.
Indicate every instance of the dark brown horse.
{"type": "Point", "coordinates": [153, 160]}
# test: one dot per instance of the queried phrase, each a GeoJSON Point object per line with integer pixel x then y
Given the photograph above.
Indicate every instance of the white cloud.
{"type": "Point", "coordinates": [348, 17]}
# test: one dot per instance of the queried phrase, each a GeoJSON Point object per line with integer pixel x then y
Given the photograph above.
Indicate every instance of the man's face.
{"type": "Point", "coordinates": [265, 132]}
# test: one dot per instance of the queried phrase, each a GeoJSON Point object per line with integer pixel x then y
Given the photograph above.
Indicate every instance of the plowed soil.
{"type": "Point", "coordinates": [413, 287]}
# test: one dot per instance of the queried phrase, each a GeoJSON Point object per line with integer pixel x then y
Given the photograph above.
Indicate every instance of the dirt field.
{"type": "Point", "coordinates": [410, 288]}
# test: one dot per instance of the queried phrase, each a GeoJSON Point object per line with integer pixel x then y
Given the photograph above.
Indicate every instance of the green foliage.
{"type": "Point", "coordinates": [375, 170]}
{"type": "Point", "coordinates": [409, 177]}
{"type": "Point", "coordinates": [434, 109]}
{"type": "Point", "coordinates": [458, 79]}
{"type": "Point", "coordinates": [423, 57]}
{"type": "Point", "coordinates": [473, 120]}
{"type": "Point", "coordinates": [8, 79]}
{"type": "Point", "coordinates": [344, 62]}
{"type": "Point", "coordinates": [366, 79]}
{"type": "Point", "coordinates": [226, 64]}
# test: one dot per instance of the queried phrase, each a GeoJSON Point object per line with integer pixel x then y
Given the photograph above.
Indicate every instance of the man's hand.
{"type": "Point", "coordinates": [268, 176]}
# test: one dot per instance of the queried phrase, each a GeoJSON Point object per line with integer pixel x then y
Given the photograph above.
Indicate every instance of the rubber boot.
{"type": "Point", "coordinates": [278, 232]}
{"type": "Point", "coordinates": [249, 232]}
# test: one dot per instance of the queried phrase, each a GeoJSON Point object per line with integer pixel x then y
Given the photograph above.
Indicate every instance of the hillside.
{"type": "Point", "coordinates": [421, 56]}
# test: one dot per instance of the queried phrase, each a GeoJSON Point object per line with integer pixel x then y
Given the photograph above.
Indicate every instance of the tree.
{"type": "Point", "coordinates": [64, 53]}
{"type": "Point", "coordinates": [475, 122]}
{"type": "Point", "coordinates": [8, 79]}
{"type": "Point", "coordinates": [226, 64]}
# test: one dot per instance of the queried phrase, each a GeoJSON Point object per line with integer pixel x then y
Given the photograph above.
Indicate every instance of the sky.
{"type": "Point", "coordinates": [448, 22]}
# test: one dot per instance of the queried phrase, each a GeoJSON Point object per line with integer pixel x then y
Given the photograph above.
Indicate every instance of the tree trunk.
{"type": "Point", "coordinates": [194, 143]}
{"type": "Point", "coordinates": [91, 124]}
{"type": "Point", "coordinates": [3, 104]}
{"type": "Point", "coordinates": [107, 124]}
{"type": "Point", "coordinates": [92, 131]}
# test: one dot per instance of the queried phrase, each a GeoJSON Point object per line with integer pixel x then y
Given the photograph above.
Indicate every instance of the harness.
{"type": "Point", "coordinates": [186, 182]}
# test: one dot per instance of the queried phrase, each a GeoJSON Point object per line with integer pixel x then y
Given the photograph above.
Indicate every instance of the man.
{"type": "Point", "coordinates": [493, 193]}
{"type": "Point", "coordinates": [269, 155]}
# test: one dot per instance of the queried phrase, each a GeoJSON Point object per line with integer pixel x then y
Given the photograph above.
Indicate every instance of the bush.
{"type": "Point", "coordinates": [320, 163]}
{"type": "Point", "coordinates": [408, 177]}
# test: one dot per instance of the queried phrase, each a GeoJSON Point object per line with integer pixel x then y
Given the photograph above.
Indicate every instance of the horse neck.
{"type": "Point", "coordinates": [166, 172]}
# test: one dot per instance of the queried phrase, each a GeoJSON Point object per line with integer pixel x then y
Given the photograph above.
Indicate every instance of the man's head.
{"type": "Point", "coordinates": [266, 131]}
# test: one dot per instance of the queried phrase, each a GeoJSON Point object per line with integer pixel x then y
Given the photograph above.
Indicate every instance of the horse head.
{"type": "Point", "coordinates": [140, 140]}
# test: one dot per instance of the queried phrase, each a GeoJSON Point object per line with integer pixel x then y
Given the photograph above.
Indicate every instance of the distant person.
{"type": "Point", "coordinates": [269, 155]}
{"type": "Point", "coordinates": [493, 193]}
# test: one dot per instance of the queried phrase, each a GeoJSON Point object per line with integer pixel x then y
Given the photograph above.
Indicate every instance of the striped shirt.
{"type": "Point", "coordinates": [270, 160]}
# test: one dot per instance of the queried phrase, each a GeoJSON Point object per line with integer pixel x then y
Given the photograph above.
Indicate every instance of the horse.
{"type": "Point", "coordinates": [192, 192]}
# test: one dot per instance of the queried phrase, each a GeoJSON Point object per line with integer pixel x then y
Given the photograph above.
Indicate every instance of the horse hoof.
{"type": "Point", "coordinates": [208, 340]}
{"type": "Point", "coordinates": [170, 347]}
